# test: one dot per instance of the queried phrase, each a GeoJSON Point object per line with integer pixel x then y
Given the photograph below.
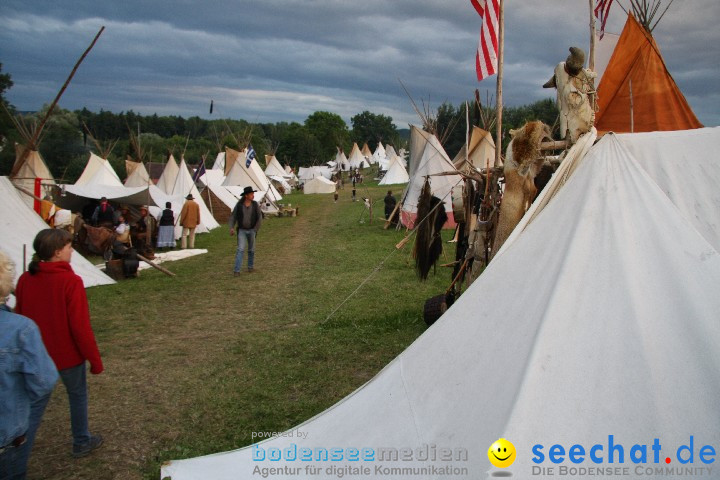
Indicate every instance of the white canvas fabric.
{"type": "Point", "coordinates": [356, 159]}
{"type": "Point", "coordinates": [341, 161]}
{"type": "Point", "coordinates": [379, 155]}
{"type": "Point", "coordinates": [319, 185]}
{"type": "Point", "coordinates": [615, 335]}
{"type": "Point", "coordinates": [307, 173]}
{"type": "Point", "coordinates": [274, 168]}
{"type": "Point", "coordinates": [250, 176]}
{"type": "Point", "coordinates": [212, 177]}
{"type": "Point", "coordinates": [219, 162]}
{"type": "Point", "coordinates": [482, 151]}
{"type": "Point", "coordinates": [603, 51]}
{"type": "Point", "coordinates": [18, 226]}
{"type": "Point", "coordinates": [396, 173]}
{"type": "Point", "coordinates": [684, 164]}
{"type": "Point", "coordinates": [432, 161]}
{"type": "Point", "coordinates": [184, 185]}
{"type": "Point", "coordinates": [139, 177]}
{"type": "Point", "coordinates": [166, 182]}
{"type": "Point", "coordinates": [98, 170]}
{"type": "Point", "coordinates": [99, 180]}
{"type": "Point", "coordinates": [33, 167]}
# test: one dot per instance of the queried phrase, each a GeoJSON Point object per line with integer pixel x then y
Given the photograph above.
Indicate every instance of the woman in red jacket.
{"type": "Point", "coordinates": [54, 297]}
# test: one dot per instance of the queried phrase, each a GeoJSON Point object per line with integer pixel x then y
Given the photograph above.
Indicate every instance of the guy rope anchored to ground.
{"type": "Point", "coordinates": [377, 268]}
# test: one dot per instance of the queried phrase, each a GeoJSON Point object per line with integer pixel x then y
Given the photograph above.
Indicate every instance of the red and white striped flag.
{"type": "Point", "coordinates": [602, 10]}
{"type": "Point", "coordinates": [486, 56]}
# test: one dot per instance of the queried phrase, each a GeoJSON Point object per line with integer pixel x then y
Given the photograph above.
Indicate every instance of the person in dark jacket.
{"type": "Point", "coordinates": [390, 203]}
{"type": "Point", "coordinates": [166, 228]}
{"type": "Point", "coordinates": [104, 214]}
{"type": "Point", "coordinates": [245, 220]}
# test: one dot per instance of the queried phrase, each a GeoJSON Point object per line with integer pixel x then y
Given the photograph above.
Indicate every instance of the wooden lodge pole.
{"type": "Point", "coordinates": [38, 130]}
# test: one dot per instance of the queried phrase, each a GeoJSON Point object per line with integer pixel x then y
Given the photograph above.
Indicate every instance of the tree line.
{"type": "Point", "coordinates": [69, 136]}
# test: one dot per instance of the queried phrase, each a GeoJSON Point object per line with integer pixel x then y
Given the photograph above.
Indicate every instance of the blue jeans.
{"type": "Point", "coordinates": [13, 461]}
{"type": "Point", "coordinates": [245, 238]}
{"type": "Point", "coordinates": [75, 380]}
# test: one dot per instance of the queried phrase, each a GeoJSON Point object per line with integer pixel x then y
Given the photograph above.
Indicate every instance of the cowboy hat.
{"type": "Point", "coordinates": [189, 196]}
{"type": "Point", "coordinates": [247, 190]}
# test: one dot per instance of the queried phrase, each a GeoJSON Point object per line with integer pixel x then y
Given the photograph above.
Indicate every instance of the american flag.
{"type": "Point", "coordinates": [250, 156]}
{"type": "Point", "coordinates": [486, 56]}
{"type": "Point", "coordinates": [602, 10]}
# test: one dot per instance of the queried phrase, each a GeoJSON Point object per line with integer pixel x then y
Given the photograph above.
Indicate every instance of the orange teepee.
{"type": "Point", "coordinates": [657, 103]}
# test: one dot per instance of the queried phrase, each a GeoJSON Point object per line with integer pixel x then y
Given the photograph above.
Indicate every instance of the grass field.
{"type": "Point", "coordinates": [195, 363]}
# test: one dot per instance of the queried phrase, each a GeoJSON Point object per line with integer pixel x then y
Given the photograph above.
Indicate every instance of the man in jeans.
{"type": "Point", "coordinates": [246, 219]}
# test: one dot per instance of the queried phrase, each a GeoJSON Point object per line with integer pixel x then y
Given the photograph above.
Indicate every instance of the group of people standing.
{"type": "Point", "coordinates": [142, 234]}
{"type": "Point", "coordinates": [48, 337]}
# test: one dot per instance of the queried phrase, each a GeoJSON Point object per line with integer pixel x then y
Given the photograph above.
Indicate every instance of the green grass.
{"type": "Point", "coordinates": [197, 362]}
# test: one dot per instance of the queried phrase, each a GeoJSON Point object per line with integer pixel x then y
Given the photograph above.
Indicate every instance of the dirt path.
{"type": "Point", "coordinates": [156, 353]}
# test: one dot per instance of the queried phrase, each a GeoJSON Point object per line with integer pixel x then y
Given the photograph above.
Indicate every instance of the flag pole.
{"type": "Point", "coordinates": [499, 104]}
{"type": "Point", "coordinates": [591, 62]}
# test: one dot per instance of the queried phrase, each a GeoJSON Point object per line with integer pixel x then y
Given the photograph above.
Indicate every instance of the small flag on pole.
{"type": "Point", "coordinates": [602, 10]}
{"type": "Point", "coordinates": [487, 51]}
{"type": "Point", "coordinates": [199, 171]}
{"type": "Point", "coordinates": [250, 156]}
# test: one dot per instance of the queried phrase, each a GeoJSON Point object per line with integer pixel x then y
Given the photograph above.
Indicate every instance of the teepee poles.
{"type": "Point", "coordinates": [38, 130]}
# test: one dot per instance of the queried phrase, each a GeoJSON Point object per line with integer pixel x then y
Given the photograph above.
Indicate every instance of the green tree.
{"type": "Point", "coordinates": [298, 147]}
{"type": "Point", "coordinates": [7, 129]}
{"type": "Point", "coordinates": [62, 146]}
{"type": "Point", "coordinates": [331, 132]}
{"type": "Point", "coordinates": [451, 127]}
{"type": "Point", "coordinates": [373, 128]}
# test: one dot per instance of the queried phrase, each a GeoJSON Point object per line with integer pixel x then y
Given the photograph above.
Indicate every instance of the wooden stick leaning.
{"type": "Point", "coordinates": [155, 265]}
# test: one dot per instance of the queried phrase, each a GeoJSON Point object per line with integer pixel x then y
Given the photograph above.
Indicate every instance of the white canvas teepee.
{"type": "Point", "coordinates": [274, 167]}
{"type": "Point", "coordinates": [615, 345]}
{"type": "Point", "coordinates": [244, 175]}
{"type": "Point", "coordinates": [183, 186]}
{"type": "Point", "coordinates": [379, 155]}
{"type": "Point", "coordinates": [26, 171]}
{"type": "Point", "coordinates": [18, 226]}
{"type": "Point", "coordinates": [396, 173]}
{"type": "Point", "coordinates": [482, 151]}
{"type": "Point", "coordinates": [139, 176]}
{"type": "Point", "coordinates": [219, 161]}
{"type": "Point", "coordinates": [166, 182]}
{"type": "Point", "coordinates": [99, 180]}
{"type": "Point", "coordinates": [431, 160]}
{"type": "Point", "coordinates": [99, 170]}
{"type": "Point", "coordinates": [356, 159]}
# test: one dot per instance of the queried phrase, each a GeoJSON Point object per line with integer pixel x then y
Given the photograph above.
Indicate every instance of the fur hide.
{"type": "Point", "coordinates": [428, 242]}
{"type": "Point", "coordinates": [523, 161]}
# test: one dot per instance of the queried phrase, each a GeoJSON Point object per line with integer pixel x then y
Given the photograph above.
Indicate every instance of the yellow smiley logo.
{"type": "Point", "coordinates": [501, 453]}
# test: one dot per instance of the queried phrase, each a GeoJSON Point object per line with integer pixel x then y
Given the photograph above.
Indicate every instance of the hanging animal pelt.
{"type": "Point", "coordinates": [428, 242]}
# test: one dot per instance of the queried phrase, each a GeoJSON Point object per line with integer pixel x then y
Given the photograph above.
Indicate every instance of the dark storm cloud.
{"type": "Point", "coordinates": [280, 60]}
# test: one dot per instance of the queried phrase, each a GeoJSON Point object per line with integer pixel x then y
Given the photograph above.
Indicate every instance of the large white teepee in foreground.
{"type": "Point", "coordinates": [614, 342]}
{"type": "Point", "coordinates": [18, 226]}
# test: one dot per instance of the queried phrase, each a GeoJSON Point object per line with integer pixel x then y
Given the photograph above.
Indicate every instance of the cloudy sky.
{"type": "Point", "coordinates": [281, 60]}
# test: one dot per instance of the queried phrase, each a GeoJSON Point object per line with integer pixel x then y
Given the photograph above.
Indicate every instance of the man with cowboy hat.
{"type": "Point", "coordinates": [189, 219]}
{"type": "Point", "coordinates": [246, 219]}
